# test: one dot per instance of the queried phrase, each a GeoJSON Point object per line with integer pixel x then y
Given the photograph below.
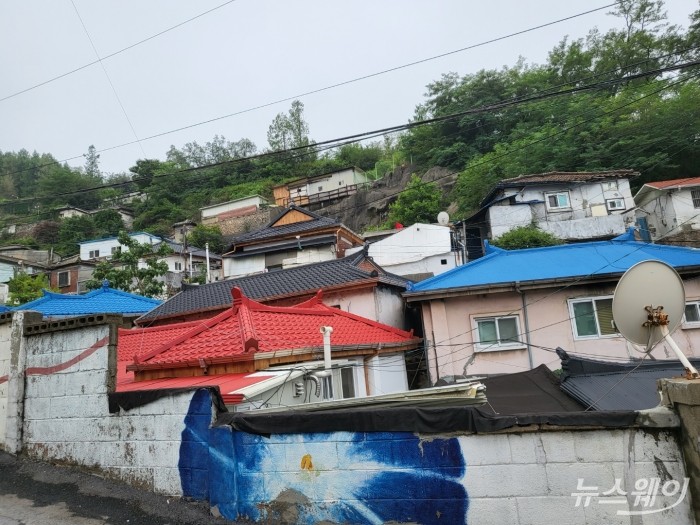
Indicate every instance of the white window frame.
{"type": "Point", "coordinates": [94, 254]}
{"type": "Point", "coordinates": [612, 204]}
{"type": "Point", "coordinates": [498, 346]}
{"type": "Point", "coordinates": [610, 185]}
{"type": "Point", "coordinates": [691, 324]}
{"type": "Point", "coordinates": [178, 266]}
{"type": "Point", "coordinates": [58, 279]}
{"type": "Point", "coordinates": [556, 194]}
{"type": "Point", "coordinates": [572, 316]}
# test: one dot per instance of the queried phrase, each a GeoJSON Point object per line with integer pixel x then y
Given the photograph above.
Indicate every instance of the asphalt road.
{"type": "Point", "coordinates": [37, 493]}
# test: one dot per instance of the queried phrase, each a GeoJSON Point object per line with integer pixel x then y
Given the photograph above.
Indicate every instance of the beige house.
{"type": "Point", "coordinates": [510, 310]}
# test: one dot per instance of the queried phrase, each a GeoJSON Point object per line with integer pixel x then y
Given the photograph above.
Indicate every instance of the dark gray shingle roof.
{"type": "Point", "coordinates": [265, 286]}
{"type": "Point", "coordinates": [270, 231]}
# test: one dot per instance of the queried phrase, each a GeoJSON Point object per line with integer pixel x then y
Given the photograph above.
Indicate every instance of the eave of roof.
{"type": "Point", "coordinates": [506, 270]}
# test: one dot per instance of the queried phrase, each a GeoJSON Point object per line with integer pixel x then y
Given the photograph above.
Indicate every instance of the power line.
{"type": "Point", "coordinates": [107, 57]}
{"type": "Point", "coordinates": [307, 93]}
{"type": "Point", "coordinates": [114, 90]}
{"type": "Point", "coordinates": [333, 143]}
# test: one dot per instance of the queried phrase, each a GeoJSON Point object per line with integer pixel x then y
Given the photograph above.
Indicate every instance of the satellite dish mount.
{"type": "Point", "coordinates": [638, 312]}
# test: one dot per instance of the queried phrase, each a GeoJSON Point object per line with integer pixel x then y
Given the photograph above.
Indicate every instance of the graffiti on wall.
{"type": "Point", "coordinates": [339, 477]}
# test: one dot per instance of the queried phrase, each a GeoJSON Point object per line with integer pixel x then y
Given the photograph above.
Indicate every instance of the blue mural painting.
{"type": "Point", "coordinates": [341, 477]}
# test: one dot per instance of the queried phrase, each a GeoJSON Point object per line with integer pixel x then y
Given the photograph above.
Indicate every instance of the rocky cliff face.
{"type": "Point", "coordinates": [370, 208]}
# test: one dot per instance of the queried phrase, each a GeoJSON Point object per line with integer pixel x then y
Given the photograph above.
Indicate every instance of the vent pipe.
{"type": "Point", "coordinates": [327, 331]}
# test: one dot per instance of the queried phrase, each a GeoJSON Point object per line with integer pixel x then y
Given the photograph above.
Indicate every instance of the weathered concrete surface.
{"type": "Point", "coordinates": [684, 396]}
{"type": "Point", "coordinates": [37, 493]}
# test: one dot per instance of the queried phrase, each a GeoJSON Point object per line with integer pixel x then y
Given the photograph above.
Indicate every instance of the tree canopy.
{"type": "Point", "coordinates": [525, 237]}
{"type": "Point", "coordinates": [124, 271]}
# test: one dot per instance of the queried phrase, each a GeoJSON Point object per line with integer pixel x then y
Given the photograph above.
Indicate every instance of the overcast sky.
{"type": "Point", "coordinates": [245, 54]}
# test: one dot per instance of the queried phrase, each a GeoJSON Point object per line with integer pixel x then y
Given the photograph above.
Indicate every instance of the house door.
{"type": "Point", "coordinates": [643, 229]}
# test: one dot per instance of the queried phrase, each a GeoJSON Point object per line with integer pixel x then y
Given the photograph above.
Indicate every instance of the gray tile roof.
{"type": "Point", "coordinates": [263, 287]}
{"type": "Point", "coordinates": [605, 385]}
{"type": "Point", "coordinates": [270, 231]}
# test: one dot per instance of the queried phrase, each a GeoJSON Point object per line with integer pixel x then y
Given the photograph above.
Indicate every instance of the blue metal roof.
{"type": "Point", "coordinates": [103, 300]}
{"type": "Point", "coordinates": [566, 261]}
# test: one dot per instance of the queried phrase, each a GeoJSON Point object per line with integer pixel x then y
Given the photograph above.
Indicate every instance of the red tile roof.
{"type": "Point", "coordinates": [675, 183]}
{"type": "Point", "coordinates": [250, 327]}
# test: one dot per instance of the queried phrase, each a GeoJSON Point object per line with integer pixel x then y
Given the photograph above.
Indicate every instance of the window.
{"type": "Point", "coordinates": [116, 249]}
{"type": "Point", "coordinates": [63, 279]}
{"type": "Point", "coordinates": [695, 194]}
{"type": "Point", "coordinates": [615, 204]}
{"type": "Point", "coordinates": [347, 377]}
{"type": "Point", "coordinates": [94, 254]}
{"type": "Point", "coordinates": [320, 188]}
{"type": "Point", "coordinates": [178, 266]}
{"type": "Point", "coordinates": [692, 313]}
{"type": "Point", "coordinates": [498, 333]}
{"type": "Point", "coordinates": [592, 318]}
{"type": "Point", "coordinates": [557, 201]}
{"type": "Point", "coordinates": [610, 185]}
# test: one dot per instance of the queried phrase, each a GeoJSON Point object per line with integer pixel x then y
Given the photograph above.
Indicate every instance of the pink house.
{"type": "Point", "coordinates": [508, 311]}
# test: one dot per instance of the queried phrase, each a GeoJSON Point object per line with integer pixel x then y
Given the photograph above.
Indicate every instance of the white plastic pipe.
{"type": "Point", "coordinates": [679, 353]}
{"type": "Point", "coordinates": [327, 331]}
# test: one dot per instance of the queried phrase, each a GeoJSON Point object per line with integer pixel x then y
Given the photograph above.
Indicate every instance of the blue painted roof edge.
{"type": "Point", "coordinates": [626, 238]}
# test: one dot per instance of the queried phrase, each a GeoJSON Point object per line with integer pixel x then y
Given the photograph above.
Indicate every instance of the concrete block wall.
{"type": "Point", "coordinates": [518, 477]}
{"type": "Point", "coordinates": [5, 329]}
{"type": "Point", "coordinates": [68, 375]}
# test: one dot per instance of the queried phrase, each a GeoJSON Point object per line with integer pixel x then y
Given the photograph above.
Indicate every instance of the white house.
{"type": "Point", "coordinates": [668, 207]}
{"type": "Point", "coordinates": [181, 263]}
{"type": "Point", "coordinates": [235, 208]}
{"type": "Point", "coordinates": [573, 206]}
{"type": "Point", "coordinates": [108, 246]}
{"type": "Point", "coordinates": [417, 250]}
{"type": "Point", "coordinates": [320, 188]}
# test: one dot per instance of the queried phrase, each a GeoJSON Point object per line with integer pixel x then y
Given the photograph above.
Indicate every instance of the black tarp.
{"type": "Point", "coordinates": [535, 391]}
{"type": "Point", "coordinates": [424, 420]}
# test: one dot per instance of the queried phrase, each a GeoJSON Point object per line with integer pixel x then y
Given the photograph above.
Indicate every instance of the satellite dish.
{"type": "Point", "coordinates": [648, 305]}
{"type": "Point", "coordinates": [443, 218]}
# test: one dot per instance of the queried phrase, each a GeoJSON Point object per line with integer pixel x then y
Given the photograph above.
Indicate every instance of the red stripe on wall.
{"type": "Point", "coordinates": [43, 371]}
{"type": "Point", "coordinates": [4, 379]}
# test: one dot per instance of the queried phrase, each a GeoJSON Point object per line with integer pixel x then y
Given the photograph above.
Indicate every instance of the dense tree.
{"type": "Point", "coordinates": [201, 235]}
{"type": "Point", "coordinates": [418, 202]}
{"type": "Point", "coordinates": [24, 288]}
{"type": "Point", "coordinates": [74, 230]}
{"type": "Point", "coordinates": [125, 272]}
{"type": "Point", "coordinates": [525, 237]}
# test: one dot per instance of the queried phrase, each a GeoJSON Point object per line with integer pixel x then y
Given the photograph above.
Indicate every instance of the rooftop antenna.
{"type": "Point", "coordinates": [648, 306]}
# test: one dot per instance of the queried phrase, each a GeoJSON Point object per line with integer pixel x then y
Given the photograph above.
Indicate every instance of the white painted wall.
{"type": "Point", "coordinates": [578, 222]}
{"type": "Point", "coordinates": [419, 248]}
{"type": "Point", "coordinates": [660, 214]}
{"type": "Point", "coordinates": [240, 266]}
{"type": "Point", "coordinates": [309, 255]}
{"type": "Point", "coordinates": [5, 330]}
{"type": "Point", "coordinates": [216, 209]}
{"type": "Point", "coordinates": [105, 245]}
{"type": "Point", "coordinates": [386, 374]}
{"type": "Point", "coordinates": [378, 304]}
{"type": "Point", "coordinates": [66, 415]}
{"type": "Point", "coordinates": [332, 181]}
